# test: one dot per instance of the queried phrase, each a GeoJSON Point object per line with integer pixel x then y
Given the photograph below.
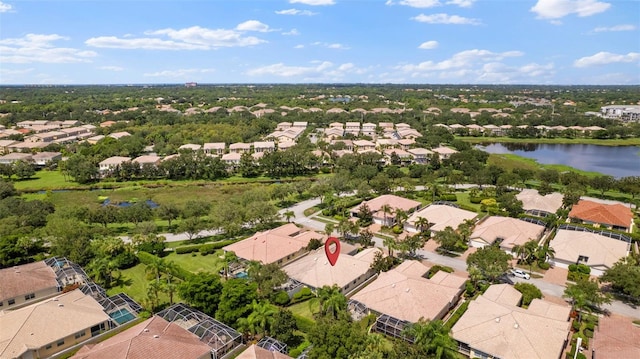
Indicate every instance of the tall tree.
{"type": "Point", "coordinates": [491, 261]}
{"type": "Point", "coordinates": [202, 291]}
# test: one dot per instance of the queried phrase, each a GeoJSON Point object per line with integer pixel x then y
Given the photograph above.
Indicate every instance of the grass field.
{"type": "Point", "coordinates": [511, 161]}
{"type": "Point", "coordinates": [304, 309]}
{"type": "Point", "coordinates": [197, 263]}
{"type": "Point", "coordinates": [575, 141]}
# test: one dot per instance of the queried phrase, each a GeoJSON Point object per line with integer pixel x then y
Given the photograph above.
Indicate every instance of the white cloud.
{"type": "Point", "coordinates": [299, 47]}
{"type": "Point", "coordinates": [313, 2]}
{"type": "Point", "coordinates": [626, 27]}
{"type": "Point", "coordinates": [316, 71]}
{"type": "Point", "coordinates": [556, 9]}
{"type": "Point", "coordinates": [446, 19]}
{"type": "Point", "coordinates": [495, 72]}
{"type": "Point", "coordinates": [191, 38]}
{"type": "Point", "coordinates": [5, 7]}
{"type": "Point", "coordinates": [421, 4]}
{"type": "Point", "coordinates": [40, 48]}
{"type": "Point", "coordinates": [177, 73]}
{"type": "Point", "coordinates": [111, 68]}
{"type": "Point", "coordinates": [335, 46]}
{"type": "Point", "coordinates": [296, 12]}
{"type": "Point", "coordinates": [605, 58]}
{"type": "Point", "coordinates": [461, 3]}
{"type": "Point", "coordinates": [428, 45]}
{"type": "Point", "coordinates": [253, 25]}
{"type": "Point", "coordinates": [463, 59]}
{"type": "Point", "coordinates": [292, 32]}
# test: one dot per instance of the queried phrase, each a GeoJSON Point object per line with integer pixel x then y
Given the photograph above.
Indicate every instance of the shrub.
{"type": "Point", "coordinates": [304, 294]}
{"type": "Point", "coordinates": [448, 197]}
{"type": "Point", "coordinates": [475, 200]}
{"type": "Point", "coordinates": [281, 298]}
{"type": "Point", "coordinates": [305, 325]}
{"type": "Point", "coordinates": [145, 258]}
{"type": "Point", "coordinates": [584, 269]}
{"type": "Point", "coordinates": [529, 292]}
{"type": "Point", "coordinates": [397, 229]}
{"type": "Point", "coordinates": [588, 333]}
{"type": "Point", "coordinates": [575, 325]}
{"type": "Point", "coordinates": [433, 270]}
{"type": "Point", "coordinates": [544, 265]}
{"type": "Point", "coordinates": [187, 249]}
{"type": "Point", "coordinates": [581, 356]}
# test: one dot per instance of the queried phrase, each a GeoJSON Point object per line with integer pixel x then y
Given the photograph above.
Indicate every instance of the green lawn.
{"type": "Point", "coordinates": [304, 309]}
{"type": "Point", "coordinates": [197, 263]}
{"type": "Point", "coordinates": [511, 161]}
{"type": "Point", "coordinates": [133, 283]}
{"type": "Point", "coordinates": [44, 180]}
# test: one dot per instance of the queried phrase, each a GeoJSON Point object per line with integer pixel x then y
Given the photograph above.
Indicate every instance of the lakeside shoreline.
{"type": "Point", "coordinates": [557, 141]}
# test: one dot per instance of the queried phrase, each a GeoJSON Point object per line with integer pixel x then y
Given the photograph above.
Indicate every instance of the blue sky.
{"type": "Point", "coordinates": [564, 42]}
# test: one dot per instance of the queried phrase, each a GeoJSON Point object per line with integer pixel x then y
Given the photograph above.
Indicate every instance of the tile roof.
{"type": "Point", "coordinates": [617, 337]}
{"type": "Point", "coordinates": [395, 202]}
{"type": "Point", "coordinates": [404, 294]}
{"type": "Point", "coordinates": [255, 352]}
{"type": "Point", "coordinates": [532, 200]}
{"type": "Point", "coordinates": [314, 269]}
{"type": "Point", "coordinates": [611, 214]}
{"type": "Point", "coordinates": [25, 279]}
{"type": "Point", "coordinates": [512, 230]}
{"type": "Point", "coordinates": [153, 338]}
{"type": "Point", "coordinates": [510, 332]}
{"type": "Point", "coordinates": [601, 250]}
{"type": "Point", "coordinates": [442, 216]}
{"type": "Point", "coordinates": [273, 245]}
{"type": "Point", "coordinates": [46, 322]}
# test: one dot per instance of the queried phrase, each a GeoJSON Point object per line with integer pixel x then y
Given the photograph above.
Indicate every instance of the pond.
{"type": "Point", "coordinates": [616, 161]}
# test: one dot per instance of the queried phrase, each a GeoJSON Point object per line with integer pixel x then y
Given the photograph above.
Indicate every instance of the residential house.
{"type": "Point", "coordinates": [386, 125]}
{"type": "Point", "coordinates": [45, 158]}
{"type": "Point", "coordinates": [28, 146]}
{"type": "Point", "coordinates": [279, 245]}
{"type": "Point", "coordinates": [406, 143]}
{"type": "Point", "coordinates": [617, 337]}
{"type": "Point", "coordinates": [10, 158]}
{"type": "Point", "coordinates": [282, 126]}
{"type": "Point", "coordinates": [46, 136]}
{"type": "Point", "coordinates": [153, 338]}
{"type": "Point", "coordinates": [95, 139]}
{"type": "Point", "coordinates": [149, 160]}
{"type": "Point", "coordinates": [107, 123]}
{"type": "Point", "coordinates": [494, 326]}
{"type": "Point", "coordinates": [27, 283]}
{"type": "Point", "coordinates": [4, 146]}
{"type": "Point", "coordinates": [240, 147]}
{"type": "Point", "coordinates": [256, 352]}
{"type": "Point", "coordinates": [420, 155]}
{"type": "Point", "coordinates": [408, 133]}
{"type": "Point", "coordinates": [352, 128]}
{"type": "Point", "coordinates": [505, 231]}
{"type": "Point", "coordinates": [444, 152]}
{"type": "Point", "coordinates": [48, 327]}
{"type": "Point", "coordinates": [385, 143]}
{"type": "Point", "coordinates": [348, 144]}
{"type": "Point", "coordinates": [336, 125]}
{"type": "Point", "coordinates": [535, 204]}
{"type": "Point", "coordinates": [283, 146]}
{"type": "Point", "coordinates": [263, 147]}
{"type": "Point", "coordinates": [406, 294]}
{"type": "Point", "coordinates": [363, 146]}
{"type": "Point", "coordinates": [404, 156]}
{"type": "Point", "coordinates": [111, 163]}
{"type": "Point", "coordinates": [232, 158]}
{"type": "Point", "coordinates": [191, 147]}
{"type": "Point", "coordinates": [438, 217]}
{"type": "Point", "coordinates": [349, 272]}
{"type": "Point", "coordinates": [391, 203]}
{"type": "Point", "coordinates": [119, 135]}
{"type": "Point", "coordinates": [612, 216]}
{"type": "Point", "coordinates": [597, 250]}
{"type": "Point", "coordinates": [214, 148]}
{"type": "Point", "coordinates": [333, 133]}
{"type": "Point", "coordinates": [300, 125]}
{"type": "Point", "coordinates": [369, 129]}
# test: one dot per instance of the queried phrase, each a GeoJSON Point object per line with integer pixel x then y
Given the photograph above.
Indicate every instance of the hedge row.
{"type": "Point", "coordinates": [204, 249]}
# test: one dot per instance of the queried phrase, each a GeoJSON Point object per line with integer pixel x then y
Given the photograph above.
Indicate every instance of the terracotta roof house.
{"type": "Point", "coordinates": [190, 146]}
{"type": "Point", "coordinates": [333, 132]}
{"type": "Point", "coordinates": [336, 125]}
{"type": "Point", "coordinates": [439, 216]}
{"type": "Point", "coordinates": [279, 245]}
{"type": "Point", "coordinates": [283, 126]}
{"type": "Point", "coordinates": [95, 139]}
{"type": "Point", "coordinates": [4, 145]}
{"type": "Point", "coordinates": [15, 157]}
{"type": "Point", "coordinates": [509, 231]}
{"type": "Point", "coordinates": [538, 205]}
{"type": "Point", "coordinates": [420, 155]}
{"type": "Point", "coordinates": [393, 202]}
{"type": "Point", "coordinates": [409, 133]}
{"type": "Point", "coordinates": [48, 327]}
{"type": "Point", "coordinates": [403, 293]}
{"type": "Point", "coordinates": [406, 143]}
{"type": "Point", "coordinates": [119, 135]}
{"type": "Point", "coordinates": [44, 158]}
{"type": "Point", "coordinates": [613, 216]}
{"type": "Point", "coordinates": [26, 283]}
{"type": "Point", "coordinates": [617, 337]}
{"type": "Point", "coordinates": [495, 327]}
{"type": "Point", "coordinates": [153, 338]}
{"type": "Point", "coordinates": [255, 352]}
{"type": "Point", "coordinates": [263, 146]}
{"type": "Point", "coordinates": [300, 124]}
{"type": "Point", "coordinates": [147, 159]}
{"type": "Point", "coordinates": [598, 251]}
{"type": "Point", "coordinates": [232, 158]}
{"type": "Point", "coordinates": [348, 273]}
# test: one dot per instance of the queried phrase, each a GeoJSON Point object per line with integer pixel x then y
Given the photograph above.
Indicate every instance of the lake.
{"type": "Point", "coordinates": [616, 161]}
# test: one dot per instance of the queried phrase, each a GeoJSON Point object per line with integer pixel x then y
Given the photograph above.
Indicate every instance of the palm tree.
{"type": "Point", "coordinates": [386, 209]}
{"type": "Point", "coordinates": [229, 257]}
{"type": "Point", "coordinates": [332, 302]}
{"type": "Point", "coordinates": [261, 317]}
{"type": "Point", "coordinates": [545, 252]}
{"type": "Point", "coordinates": [391, 244]}
{"type": "Point", "coordinates": [520, 251]}
{"type": "Point", "coordinates": [328, 229]}
{"type": "Point", "coordinates": [434, 337]}
{"type": "Point", "coordinates": [401, 217]}
{"type": "Point", "coordinates": [421, 224]}
{"type": "Point", "coordinates": [155, 268]}
{"type": "Point", "coordinates": [288, 215]}
{"type": "Point", "coordinates": [170, 269]}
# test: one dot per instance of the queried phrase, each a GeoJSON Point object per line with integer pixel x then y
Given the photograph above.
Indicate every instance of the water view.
{"type": "Point", "coordinates": [621, 161]}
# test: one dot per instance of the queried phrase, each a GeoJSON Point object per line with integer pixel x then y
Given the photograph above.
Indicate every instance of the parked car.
{"type": "Point", "coordinates": [520, 273]}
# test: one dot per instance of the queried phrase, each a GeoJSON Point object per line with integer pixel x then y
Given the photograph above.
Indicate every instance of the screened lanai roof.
{"type": "Point", "coordinates": [64, 268]}
{"type": "Point", "coordinates": [273, 345]}
{"type": "Point", "coordinates": [392, 326]}
{"type": "Point", "coordinates": [220, 337]}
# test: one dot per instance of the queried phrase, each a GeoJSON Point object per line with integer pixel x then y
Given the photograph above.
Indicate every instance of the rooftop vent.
{"type": "Point", "coordinates": [60, 305]}
{"type": "Point", "coordinates": [156, 336]}
{"type": "Point", "coordinates": [498, 320]}
{"type": "Point", "coordinates": [393, 285]}
{"type": "Point", "coordinates": [407, 290]}
{"type": "Point", "coordinates": [515, 326]}
{"type": "Point", "coordinates": [146, 330]}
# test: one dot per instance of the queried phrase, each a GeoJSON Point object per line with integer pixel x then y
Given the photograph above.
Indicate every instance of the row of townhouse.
{"type": "Point", "coordinates": [387, 130]}
{"type": "Point", "coordinates": [37, 126]}
{"type": "Point", "coordinates": [39, 159]}
{"type": "Point", "coordinates": [621, 112]}
{"type": "Point", "coordinates": [504, 129]}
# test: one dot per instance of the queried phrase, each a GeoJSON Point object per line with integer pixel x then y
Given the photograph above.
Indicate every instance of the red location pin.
{"type": "Point", "coordinates": [332, 257]}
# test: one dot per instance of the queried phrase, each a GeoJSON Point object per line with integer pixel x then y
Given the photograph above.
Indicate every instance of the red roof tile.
{"type": "Point", "coordinates": [611, 214]}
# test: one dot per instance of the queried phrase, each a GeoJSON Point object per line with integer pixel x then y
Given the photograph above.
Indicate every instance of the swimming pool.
{"type": "Point", "coordinates": [242, 275]}
{"type": "Point", "coordinates": [122, 316]}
